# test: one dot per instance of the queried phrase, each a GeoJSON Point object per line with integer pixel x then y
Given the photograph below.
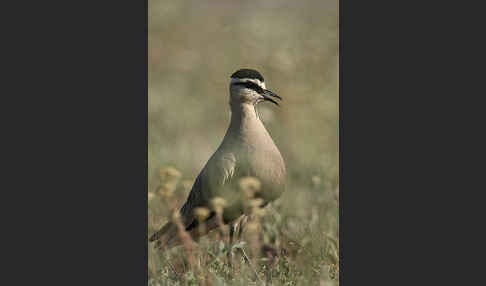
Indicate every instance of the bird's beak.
{"type": "Point", "coordinates": [266, 96]}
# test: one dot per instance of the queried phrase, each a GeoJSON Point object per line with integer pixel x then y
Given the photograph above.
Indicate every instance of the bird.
{"type": "Point", "coordinates": [247, 150]}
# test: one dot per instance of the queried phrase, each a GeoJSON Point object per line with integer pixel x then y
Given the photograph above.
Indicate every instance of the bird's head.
{"type": "Point", "coordinates": [248, 86]}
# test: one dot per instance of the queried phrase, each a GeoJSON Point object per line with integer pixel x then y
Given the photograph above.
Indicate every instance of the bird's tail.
{"type": "Point", "coordinates": [166, 237]}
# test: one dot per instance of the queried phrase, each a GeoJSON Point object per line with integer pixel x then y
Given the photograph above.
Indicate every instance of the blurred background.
{"type": "Point", "coordinates": [194, 47]}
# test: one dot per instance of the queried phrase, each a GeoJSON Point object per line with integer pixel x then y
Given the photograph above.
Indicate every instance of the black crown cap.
{"type": "Point", "coordinates": [248, 73]}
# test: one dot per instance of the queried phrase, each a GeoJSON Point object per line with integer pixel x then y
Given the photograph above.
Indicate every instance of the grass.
{"type": "Point", "coordinates": [194, 46]}
{"type": "Point", "coordinates": [295, 242]}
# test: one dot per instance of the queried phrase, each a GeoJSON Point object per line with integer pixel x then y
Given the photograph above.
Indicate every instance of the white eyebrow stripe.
{"type": "Point", "coordinates": [256, 81]}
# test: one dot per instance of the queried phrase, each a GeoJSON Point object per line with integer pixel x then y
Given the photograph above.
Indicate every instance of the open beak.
{"type": "Point", "coordinates": [266, 96]}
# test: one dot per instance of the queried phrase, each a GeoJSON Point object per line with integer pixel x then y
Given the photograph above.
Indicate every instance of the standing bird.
{"type": "Point", "coordinates": [247, 150]}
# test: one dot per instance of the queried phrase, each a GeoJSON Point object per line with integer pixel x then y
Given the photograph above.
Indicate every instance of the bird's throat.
{"type": "Point", "coordinates": [244, 119]}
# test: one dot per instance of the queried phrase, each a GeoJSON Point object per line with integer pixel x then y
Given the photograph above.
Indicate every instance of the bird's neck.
{"type": "Point", "coordinates": [245, 127]}
{"type": "Point", "coordinates": [243, 115]}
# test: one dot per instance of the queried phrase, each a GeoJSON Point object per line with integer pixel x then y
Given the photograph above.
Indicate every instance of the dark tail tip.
{"type": "Point", "coordinates": [153, 237]}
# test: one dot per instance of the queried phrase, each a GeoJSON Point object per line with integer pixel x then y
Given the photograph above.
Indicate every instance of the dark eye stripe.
{"type": "Point", "coordinates": [251, 85]}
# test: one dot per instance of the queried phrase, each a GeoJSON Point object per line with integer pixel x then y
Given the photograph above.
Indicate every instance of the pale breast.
{"type": "Point", "coordinates": [263, 160]}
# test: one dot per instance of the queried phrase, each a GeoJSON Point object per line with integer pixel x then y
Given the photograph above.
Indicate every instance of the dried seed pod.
{"type": "Point", "coordinates": [151, 196]}
{"type": "Point", "coordinates": [316, 180]}
{"type": "Point", "coordinates": [187, 184]}
{"type": "Point", "coordinates": [167, 191]}
{"type": "Point", "coordinates": [258, 212]}
{"type": "Point", "coordinates": [176, 215]}
{"type": "Point", "coordinates": [201, 213]}
{"type": "Point", "coordinates": [255, 203]}
{"type": "Point", "coordinates": [218, 204]}
{"type": "Point", "coordinates": [170, 174]}
{"type": "Point", "coordinates": [250, 183]}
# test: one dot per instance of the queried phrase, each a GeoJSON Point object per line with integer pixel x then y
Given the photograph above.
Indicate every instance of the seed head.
{"type": "Point", "coordinates": [187, 184]}
{"type": "Point", "coordinates": [150, 196]}
{"type": "Point", "coordinates": [218, 204]}
{"type": "Point", "coordinates": [201, 213]}
{"type": "Point", "coordinates": [316, 180]}
{"type": "Point", "coordinates": [169, 174]}
{"type": "Point", "coordinates": [176, 215]}
{"type": "Point", "coordinates": [259, 212]}
{"type": "Point", "coordinates": [255, 203]}
{"type": "Point", "coordinates": [249, 186]}
{"type": "Point", "coordinates": [167, 191]}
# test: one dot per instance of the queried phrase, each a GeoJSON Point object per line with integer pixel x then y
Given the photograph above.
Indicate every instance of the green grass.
{"type": "Point", "coordinates": [194, 46]}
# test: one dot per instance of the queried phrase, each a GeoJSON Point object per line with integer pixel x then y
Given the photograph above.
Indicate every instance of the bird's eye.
{"type": "Point", "coordinates": [250, 85]}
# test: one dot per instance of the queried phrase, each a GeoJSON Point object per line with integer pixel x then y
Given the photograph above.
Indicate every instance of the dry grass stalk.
{"type": "Point", "coordinates": [189, 245]}
{"type": "Point", "coordinates": [218, 204]}
{"type": "Point", "coordinates": [169, 179]}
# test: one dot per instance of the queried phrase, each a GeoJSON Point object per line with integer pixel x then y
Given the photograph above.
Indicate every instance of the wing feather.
{"type": "Point", "coordinates": [211, 182]}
